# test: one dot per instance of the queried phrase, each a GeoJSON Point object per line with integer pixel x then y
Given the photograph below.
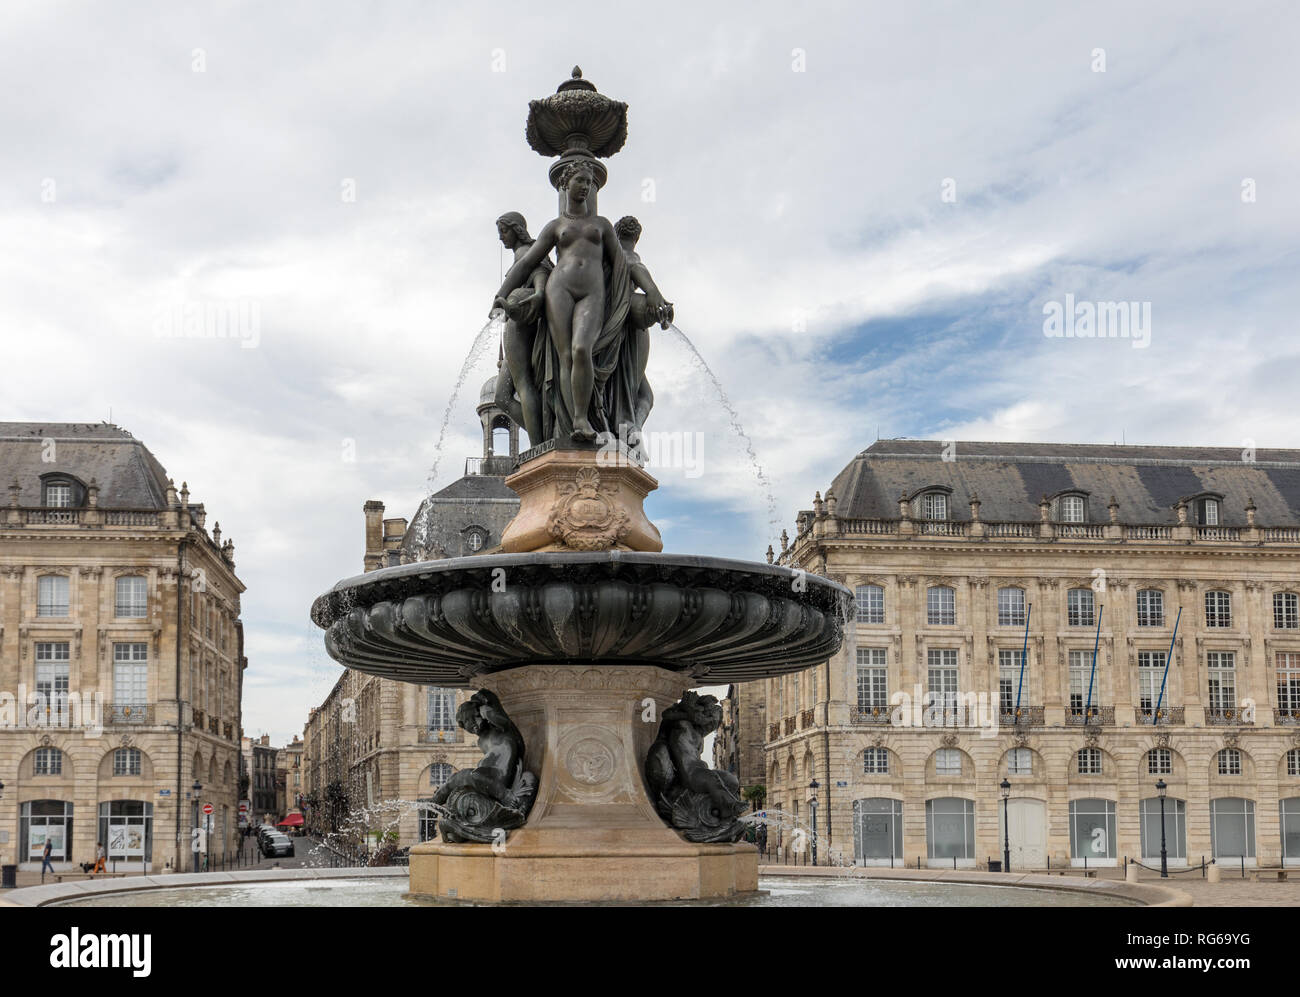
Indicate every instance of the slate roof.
{"type": "Point", "coordinates": [128, 475]}
{"type": "Point", "coordinates": [1011, 478]}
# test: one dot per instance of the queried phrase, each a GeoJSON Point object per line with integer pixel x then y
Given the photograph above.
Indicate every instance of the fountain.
{"type": "Point", "coordinates": [582, 638]}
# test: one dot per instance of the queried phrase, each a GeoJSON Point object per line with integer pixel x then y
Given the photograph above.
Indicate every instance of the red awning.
{"type": "Point", "coordinates": [293, 820]}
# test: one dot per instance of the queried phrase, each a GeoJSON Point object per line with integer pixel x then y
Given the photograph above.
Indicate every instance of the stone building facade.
{"type": "Point", "coordinates": [121, 655]}
{"type": "Point", "coordinates": [960, 556]}
{"type": "Point", "coordinates": [738, 745]}
{"type": "Point", "coordinates": [383, 745]}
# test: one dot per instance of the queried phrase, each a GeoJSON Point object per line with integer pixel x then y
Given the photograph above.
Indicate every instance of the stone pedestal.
{"type": "Point", "coordinates": [593, 834]}
{"type": "Point", "coordinates": [581, 500]}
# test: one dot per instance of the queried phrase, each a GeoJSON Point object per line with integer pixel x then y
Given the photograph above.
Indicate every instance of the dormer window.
{"type": "Point", "coordinates": [934, 505]}
{"type": "Point", "coordinates": [1071, 509]}
{"type": "Point", "coordinates": [1207, 512]}
{"type": "Point", "coordinates": [475, 538]}
{"type": "Point", "coordinates": [58, 494]}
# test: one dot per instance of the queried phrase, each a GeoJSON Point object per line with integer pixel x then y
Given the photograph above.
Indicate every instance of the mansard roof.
{"type": "Point", "coordinates": [128, 475]}
{"type": "Point", "coordinates": [1011, 479]}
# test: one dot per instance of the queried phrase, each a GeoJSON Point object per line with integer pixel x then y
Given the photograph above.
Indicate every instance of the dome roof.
{"type": "Point", "coordinates": [488, 394]}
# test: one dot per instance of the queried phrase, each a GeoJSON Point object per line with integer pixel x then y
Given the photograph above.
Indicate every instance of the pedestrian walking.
{"type": "Point", "coordinates": [100, 859]}
{"type": "Point", "coordinates": [45, 857]}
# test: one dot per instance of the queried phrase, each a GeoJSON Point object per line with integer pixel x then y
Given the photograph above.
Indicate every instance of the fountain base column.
{"type": "Point", "coordinates": [593, 834]}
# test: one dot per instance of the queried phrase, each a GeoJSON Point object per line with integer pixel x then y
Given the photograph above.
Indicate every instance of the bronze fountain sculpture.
{"type": "Point", "coordinates": [582, 637]}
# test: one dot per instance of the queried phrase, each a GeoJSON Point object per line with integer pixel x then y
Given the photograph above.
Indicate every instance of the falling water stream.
{"type": "Point", "coordinates": [490, 333]}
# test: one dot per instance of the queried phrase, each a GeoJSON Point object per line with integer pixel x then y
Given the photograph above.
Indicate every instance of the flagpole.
{"type": "Point", "coordinates": [1155, 717]}
{"type": "Point", "coordinates": [1087, 710]}
{"type": "Point", "coordinates": [1024, 652]}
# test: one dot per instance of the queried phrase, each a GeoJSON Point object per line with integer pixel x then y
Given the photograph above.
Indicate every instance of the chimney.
{"type": "Point", "coordinates": [374, 557]}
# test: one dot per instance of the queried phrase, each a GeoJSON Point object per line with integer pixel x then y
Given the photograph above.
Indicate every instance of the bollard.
{"type": "Point", "coordinates": [1212, 874]}
{"type": "Point", "coordinates": [1131, 873]}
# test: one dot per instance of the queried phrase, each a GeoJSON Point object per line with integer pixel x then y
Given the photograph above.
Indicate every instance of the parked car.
{"type": "Point", "coordinates": [275, 844]}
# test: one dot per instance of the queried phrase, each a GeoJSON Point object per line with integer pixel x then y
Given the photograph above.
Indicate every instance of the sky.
{"type": "Point", "coordinates": [863, 212]}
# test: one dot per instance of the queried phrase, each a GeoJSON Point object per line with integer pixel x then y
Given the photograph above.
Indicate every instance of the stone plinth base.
{"type": "Point", "coordinates": [593, 833]}
{"type": "Point", "coordinates": [557, 867]}
{"type": "Point", "coordinates": [581, 500]}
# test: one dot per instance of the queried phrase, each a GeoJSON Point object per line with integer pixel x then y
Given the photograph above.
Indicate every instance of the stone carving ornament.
{"type": "Point", "coordinates": [586, 516]}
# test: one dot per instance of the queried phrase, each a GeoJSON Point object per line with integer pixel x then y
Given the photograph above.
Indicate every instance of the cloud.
{"type": "Point", "coordinates": [796, 220]}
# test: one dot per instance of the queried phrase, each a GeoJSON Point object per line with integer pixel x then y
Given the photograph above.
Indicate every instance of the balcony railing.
{"type": "Point", "coordinates": [1080, 531]}
{"type": "Point", "coordinates": [788, 725]}
{"type": "Point", "coordinates": [214, 725]}
{"type": "Point", "coordinates": [1218, 533]}
{"type": "Point", "coordinates": [1148, 533]}
{"type": "Point", "coordinates": [228, 731]}
{"type": "Point", "coordinates": [773, 731]}
{"type": "Point", "coordinates": [805, 719]}
{"type": "Point", "coordinates": [1287, 715]}
{"type": "Point", "coordinates": [129, 713]}
{"type": "Point", "coordinates": [444, 735]}
{"type": "Point", "coordinates": [1026, 716]}
{"type": "Point", "coordinates": [1169, 715]}
{"type": "Point", "coordinates": [871, 715]}
{"type": "Point", "coordinates": [85, 516]}
{"type": "Point", "coordinates": [869, 525]}
{"type": "Point", "coordinates": [941, 528]}
{"type": "Point", "coordinates": [1225, 717]}
{"type": "Point", "coordinates": [1104, 715]}
{"type": "Point", "coordinates": [1012, 529]}
{"type": "Point", "coordinates": [198, 718]}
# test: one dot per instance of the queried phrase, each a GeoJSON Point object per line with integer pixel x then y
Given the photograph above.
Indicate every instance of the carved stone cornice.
{"type": "Point", "coordinates": [979, 581]}
{"type": "Point", "coordinates": [1187, 584]}
{"type": "Point", "coordinates": [1047, 582]}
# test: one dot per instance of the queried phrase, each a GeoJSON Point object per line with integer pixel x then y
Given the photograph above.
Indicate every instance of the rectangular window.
{"type": "Point", "coordinates": [1089, 761]}
{"type": "Point", "coordinates": [871, 604]}
{"type": "Point", "coordinates": [1080, 608]}
{"type": "Point", "coordinates": [48, 761]}
{"type": "Point", "coordinates": [1218, 609]}
{"type": "Point", "coordinates": [52, 672]}
{"type": "Point", "coordinates": [934, 505]}
{"type": "Point", "coordinates": [1221, 666]}
{"type": "Point", "coordinates": [52, 595]}
{"type": "Point", "coordinates": [1151, 673]}
{"type": "Point", "coordinates": [942, 667]}
{"type": "Point", "coordinates": [442, 709]}
{"type": "Point", "coordinates": [126, 761]}
{"type": "Point", "coordinates": [1081, 675]}
{"type": "Point", "coordinates": [1009, 679]}
{"type": "Point", "coordinates": [58, 495]}
{"type": "Point", "coordinates": [1011, 607]}
{"type": "Point", "coordinates": [873, 682]}
{"type": "Point", "coordinates": [130, 600]}
{"type": "Point", "coordinates": [1288, 684]}
{"type": "Point", "coordinates": [1151, 608]}
{"type": "Point", "coordinates": [941, 606]}
{"type": "Point", "coordinates": [1286, 612]}
{"type": "Point", "coordinates": [130, 681]}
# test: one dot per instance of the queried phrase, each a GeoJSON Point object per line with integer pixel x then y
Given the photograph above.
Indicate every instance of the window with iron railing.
{"type": "Point", "coordinates": [52, 595]}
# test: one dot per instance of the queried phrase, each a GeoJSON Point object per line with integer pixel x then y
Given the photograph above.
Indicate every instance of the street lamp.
{"type": "Point", "coordinates": [194, 841]}
{"type": "Point", "coordinates": [1006, 825]}
{"type": "Point", "coordinates": [812, 805]}
{"type": "Point", "coordinates": [1161, 789]}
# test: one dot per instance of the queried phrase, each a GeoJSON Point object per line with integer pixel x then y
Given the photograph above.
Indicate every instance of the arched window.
{"type": "Point", "coordinates": [1092, 831]}
{"type": "Point", "coordinates": [126, 761]}
{"type": "Point", "coordinates": [1175, 836]}
{"type": "Point", "coordinates": [1229, 761]}
{"type": "Point", "coordinates": [1089, 761]}
{"type": "Point", "coordinates": [439, 773]}
{"type": "Point", "coordinates": [1160, 761]}
{"type": "Point", "coordinates": [950, 828]}
{"type": "Point", "coordinates": [877, 831]}
{"type": "Point", "coordinates": [1232, 828]}
{"type": "Point", "coordinates": [130, 600]}
{"type": "Point", "coordinates": [48, 761]}
{"type": "Point", "coordinates": [1071, 509]}
{"type": "Point", "coordinates": [940, 606]}
{"type": "Point", "coordinates": [871, 604]}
